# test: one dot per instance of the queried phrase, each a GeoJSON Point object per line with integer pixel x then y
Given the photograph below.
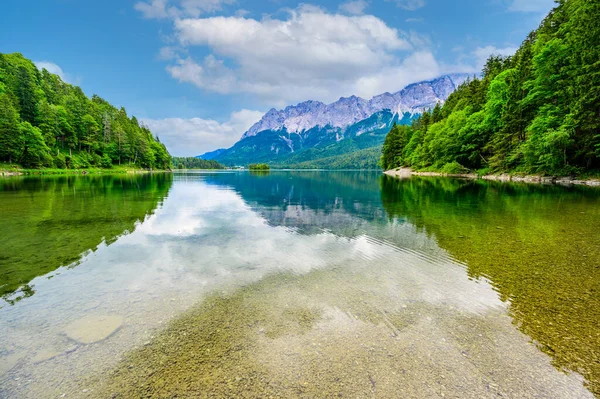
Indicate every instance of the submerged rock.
{"type": "Point", "coordinates": [90, 329]}
{"type": "Point", "coordinates": [45, 354]}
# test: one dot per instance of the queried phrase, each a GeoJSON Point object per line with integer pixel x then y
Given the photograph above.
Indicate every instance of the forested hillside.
{"type": "Point", "coordinates": [45, 122]}
{"type": "Point", "coordinates": [535, 112]}
{"type": "Point", "coordinates": [366, 159]}
{"type": "Point", "coordinates": [195, 163]}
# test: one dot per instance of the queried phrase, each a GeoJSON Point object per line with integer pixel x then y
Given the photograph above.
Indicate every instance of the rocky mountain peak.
{"type": "Point", "coordinates": [414, 99]}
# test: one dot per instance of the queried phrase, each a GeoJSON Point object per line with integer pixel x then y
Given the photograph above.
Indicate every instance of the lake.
{"type": "Point", "coordinates": [297, 284]}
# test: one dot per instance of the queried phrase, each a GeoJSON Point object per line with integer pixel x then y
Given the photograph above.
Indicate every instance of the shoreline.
{"type": "Point", "coordinates": [534, 179]}
{"type": "Point", "coordinates": [73, 172]}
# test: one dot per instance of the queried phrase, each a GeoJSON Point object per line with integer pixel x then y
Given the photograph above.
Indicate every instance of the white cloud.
{"type": "Point", "coordinates": [417, 67]}
{"type": "Point", "coordinates": [154, 9]}
{"type": "Point", "coordinates": [481, 54]}
{"type": "Point", "coordinates": [354, 7]}
{"type": "Point", "coordinates": [309, 54]}
{"type": "Point", "coordinates": [191, 137]}
{"type": "Point", "coordinates": [55, 69]}
{"type": "Point", "coordinates": [532, 5]}
{"type": "Point", "coordinates": [167, 53]}
{"type": "Point", "coordinates": [159, 9]}
{"type": "Point", "coordinates": [212, 75]}
{"type": "Point", "coordinates": [410, 5]}
{"type": "Point", "coordinates": [308, 31]}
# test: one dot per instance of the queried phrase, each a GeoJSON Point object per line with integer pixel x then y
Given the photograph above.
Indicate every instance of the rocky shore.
{"type": "Point", "coordinates": [10, 173]}
{"type": "Point", "coordinates": [566, 181]}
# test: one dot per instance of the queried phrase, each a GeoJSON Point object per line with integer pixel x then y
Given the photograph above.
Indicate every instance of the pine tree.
{"type": "Point", "coordinates": [26, 92]}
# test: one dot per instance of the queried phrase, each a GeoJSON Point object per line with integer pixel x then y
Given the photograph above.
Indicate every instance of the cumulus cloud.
{"type": "Point", "coordinates": [354, 7]}
{"type": "Point", "coordinates": [195, 136]}
{"type": "Point", "coordinates": [212, 74]}
{"type": "Point", "coordinates": [55, 69]}
{"type": "Point", "coordinates": [159, 9]}
{"type": "Point", "coordinates": [535, 6]}
{"type": "Point", "coordinates": [308, 27]}
{"type": "Point", "coordinates": [419, 66]}
{"type": "Point", "coordinates": [310, 53]}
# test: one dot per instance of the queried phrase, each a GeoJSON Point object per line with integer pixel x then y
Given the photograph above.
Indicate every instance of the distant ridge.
{"type": "Point", "coordinates": [212, 154]}
{"type": "Point", "coordinates": [413, 99]}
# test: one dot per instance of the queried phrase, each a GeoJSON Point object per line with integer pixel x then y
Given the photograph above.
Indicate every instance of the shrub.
{"type": "Point", "coordinates": [454, 168]}
{"type": "Point", "coordinates": [60, 162]}
{"type": "Point", "coordinates": [106, 161]}
{"type": "Point", "coordinates": [258, 166]}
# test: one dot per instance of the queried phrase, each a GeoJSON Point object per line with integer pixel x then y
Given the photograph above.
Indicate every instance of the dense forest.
{"type": "Point", "coordinates": [195, 163]}
{"type": "Point", "coordinates": [45, 122]}
{"type": "Point", "coordinates": [367, 159]}
{"type": "Point", "coordinates": [535, 112]}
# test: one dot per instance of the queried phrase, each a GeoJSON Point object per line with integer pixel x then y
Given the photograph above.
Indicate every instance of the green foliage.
{"type": "Point", "coordinates": [367, 159]}
{"type": "Point", "coordinates": [35, 151]}
{"type": "Point", "coordinates": [535, 112]}
{"type": "Point", "coordinates": [45, 122]}
{"type": "Point", "coordinates": [453, 168]}
{"type": "Point", "coordinates": [195, 163]}
{"type": "Point", "coordinates": [258, 166]}
{"type": "Point", "coordinates": [394, 146]}
{"type": "Point", "coordinates": [11, 142]}
{"type": "Point", "coordinates": [60, 161]}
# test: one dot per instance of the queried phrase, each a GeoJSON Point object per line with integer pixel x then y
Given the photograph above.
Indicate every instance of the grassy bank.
{"type": "Point", "coordinates": [16, 170]}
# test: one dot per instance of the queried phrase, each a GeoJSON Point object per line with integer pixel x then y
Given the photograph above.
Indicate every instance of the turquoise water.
{"type": "Point", "coordinates": [297, 284]}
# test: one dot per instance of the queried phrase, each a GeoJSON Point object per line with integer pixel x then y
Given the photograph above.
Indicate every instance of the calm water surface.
{"type": "Point", "coordinates": [297, 284]}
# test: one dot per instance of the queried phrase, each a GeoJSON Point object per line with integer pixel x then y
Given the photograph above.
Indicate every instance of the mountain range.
{"type": "Point", "coordinates": [314, 134]}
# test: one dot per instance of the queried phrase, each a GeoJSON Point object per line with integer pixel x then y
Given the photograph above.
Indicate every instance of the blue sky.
{"type": "Point", "coordinates": [201, 72]}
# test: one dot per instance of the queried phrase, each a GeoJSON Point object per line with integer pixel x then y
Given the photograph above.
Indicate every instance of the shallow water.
{"type": "Point", "coordinates": [297, 284]}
